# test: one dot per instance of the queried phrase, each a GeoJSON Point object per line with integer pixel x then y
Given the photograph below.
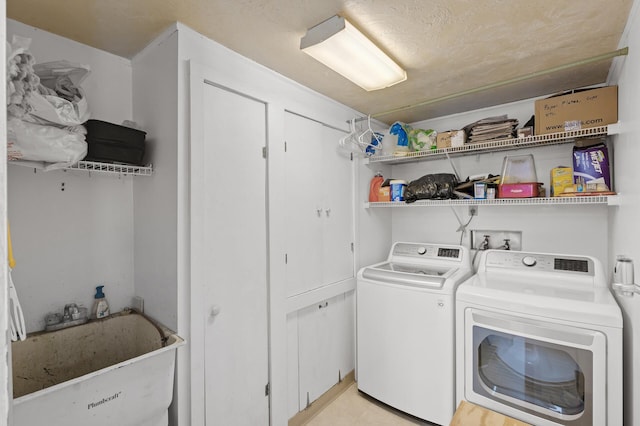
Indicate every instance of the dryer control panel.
{"type": "Point", "coordinates": [540, 262]}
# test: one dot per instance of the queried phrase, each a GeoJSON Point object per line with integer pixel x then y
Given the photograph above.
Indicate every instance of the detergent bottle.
{"type": "Point", "coordinates": [100, 304]}
{"type": "Point", "coordinates": [374, 187]}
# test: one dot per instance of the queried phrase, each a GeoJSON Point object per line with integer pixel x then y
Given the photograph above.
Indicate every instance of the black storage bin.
{"type": "Point", "coordinates": [112, 143]}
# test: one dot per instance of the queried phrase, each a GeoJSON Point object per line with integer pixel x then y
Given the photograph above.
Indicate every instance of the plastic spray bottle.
{"type": "Point", "coordinates": [100, 304]}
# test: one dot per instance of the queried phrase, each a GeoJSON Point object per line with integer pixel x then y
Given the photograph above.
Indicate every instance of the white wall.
{"type": "Point", "coordinates": [373, 228]}
{"type": "Point", "coordinates": [155, 75]}
{"type": "Point", "coordinates": [623, 221]}
{"type": "Point", "coordinates": [159, 269]}
{"type": "Point", "coordinates": [67, 242]}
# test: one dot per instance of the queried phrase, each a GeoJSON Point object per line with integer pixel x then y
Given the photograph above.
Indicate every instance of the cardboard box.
{"type": "Point", "coordinates": [579, 110]}
{"type": "Point", "coordinates": [452, 138]}
{"type": "Point", "coordinates": [384, 193]}
{"type": "Point", "coordinates": [469, 414]}
{"type": "Point", "coordinates": [592, 164]}
{"type": "Point", "coordinates": [561, 178]}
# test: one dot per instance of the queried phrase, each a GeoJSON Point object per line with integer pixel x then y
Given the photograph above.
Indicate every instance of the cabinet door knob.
{"type": "Point", "coordinates": [319, 211]}
{"type": "Point", "coordinates": [327, 211]}
{"type": "Point", "coordinates": [215, 311]}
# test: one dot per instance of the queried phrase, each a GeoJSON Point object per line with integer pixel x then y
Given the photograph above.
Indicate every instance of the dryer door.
{"type": "Point", "coordinates": [541, 372]}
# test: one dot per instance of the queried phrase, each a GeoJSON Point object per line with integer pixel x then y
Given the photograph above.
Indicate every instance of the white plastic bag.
{"type": "Point", "coordinates": [60, 100]}
{"type": "Point", "coordinates": [22, 81]}
{"type": "Point", "coordinates": [56, 147]}
{"type": "Point", "coordinates": [48, 109]}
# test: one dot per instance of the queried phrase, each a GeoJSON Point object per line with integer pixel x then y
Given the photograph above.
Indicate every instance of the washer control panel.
{"type": "Point", "coordinates": [539, 262]}
{"type": "Point", "coordinates": [417, 250]}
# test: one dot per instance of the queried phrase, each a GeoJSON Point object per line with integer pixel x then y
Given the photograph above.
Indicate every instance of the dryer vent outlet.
{"type": "Point", "coordinates": [482, 239]}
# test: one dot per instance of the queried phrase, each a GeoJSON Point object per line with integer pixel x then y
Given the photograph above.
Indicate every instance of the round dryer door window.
{"type": "Point", "coordinates": [532, 371]}
{"type": "Point", "coordinates": [545, 377]}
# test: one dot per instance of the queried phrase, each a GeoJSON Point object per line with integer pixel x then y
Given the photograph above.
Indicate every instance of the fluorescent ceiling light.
{"type": "Point", "coordinates": [340, 46]}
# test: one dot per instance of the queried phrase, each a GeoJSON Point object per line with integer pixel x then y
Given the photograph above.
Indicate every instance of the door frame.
{"type": "Point", "coordinates": [198, 316]}
{"type": "Point", "coordinates": [5, 343]}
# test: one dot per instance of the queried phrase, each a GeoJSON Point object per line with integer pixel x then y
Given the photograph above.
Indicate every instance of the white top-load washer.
{"type": "Point", "coordinates": [539, 338]}
{"type": "Point", "coordinates": [405, 328]}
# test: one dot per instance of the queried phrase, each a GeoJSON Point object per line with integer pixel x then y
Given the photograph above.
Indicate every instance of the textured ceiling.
{"type": "Point", "coordinates": [446, 46]}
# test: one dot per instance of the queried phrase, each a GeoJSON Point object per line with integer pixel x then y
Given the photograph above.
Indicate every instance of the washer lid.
{"type": "Point", "coordinates": [432, 276]}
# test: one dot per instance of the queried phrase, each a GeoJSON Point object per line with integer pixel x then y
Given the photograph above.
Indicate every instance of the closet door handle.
{"type": "Point", "coordinates": [215, 311]}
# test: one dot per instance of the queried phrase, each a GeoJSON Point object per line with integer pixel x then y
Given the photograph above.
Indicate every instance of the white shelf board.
{"type": "Point", "coordinates": [123, 169]}
{"type": "Point", "coordinates": [610, 200]}
{"type": "Point", "coordinates": [93, 166]}
{"type": "Point", "coordinates": [498, 145]}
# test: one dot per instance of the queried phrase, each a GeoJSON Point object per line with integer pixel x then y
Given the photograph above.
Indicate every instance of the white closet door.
{"type": "Point", "coordinates": [304, 176]}
{"type": "Point", "coordinates": [235, 293]}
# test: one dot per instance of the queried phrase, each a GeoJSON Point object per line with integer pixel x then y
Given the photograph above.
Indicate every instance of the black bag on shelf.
{"type": "Point", "coordinates": [112, 143]}
{"type": "Point", "coordinates": [437, 186]}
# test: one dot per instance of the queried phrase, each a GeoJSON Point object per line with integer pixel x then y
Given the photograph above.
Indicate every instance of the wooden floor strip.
{"type": "Point", "coordinates": [325, 399]}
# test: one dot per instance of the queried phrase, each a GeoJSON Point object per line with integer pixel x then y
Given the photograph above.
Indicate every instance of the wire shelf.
{"type": "Point", "coordinates": [498, 145]}
{"type": "Point", "coordinates": [123, 169]}
{"type": "Point", "coordinates": [611, 200]}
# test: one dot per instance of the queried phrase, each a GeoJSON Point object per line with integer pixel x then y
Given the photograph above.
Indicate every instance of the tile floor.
{"type": "Point", "coordinates": [352, 408]}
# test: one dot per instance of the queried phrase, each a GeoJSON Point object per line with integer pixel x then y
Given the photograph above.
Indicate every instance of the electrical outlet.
{"type": "Point", "coordinates": [496, 239]}
{"type": "Point", "coordinates": [473, 210]}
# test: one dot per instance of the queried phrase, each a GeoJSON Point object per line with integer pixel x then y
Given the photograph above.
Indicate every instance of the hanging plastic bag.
{"type": "Point", "coordinates": [55, 147]}
{"type": "Point", "coordinates": [59, 100]}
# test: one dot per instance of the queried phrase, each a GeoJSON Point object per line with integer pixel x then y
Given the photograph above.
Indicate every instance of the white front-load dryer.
{"type": "Point", "coordinates": [539, 338]}
{"type": "Point", "coordinates": [405, 328]}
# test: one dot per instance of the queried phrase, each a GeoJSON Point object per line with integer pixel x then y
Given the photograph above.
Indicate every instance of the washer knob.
{"type": "Point", "coordinates": [422, 250]}
{"type": "Point", "coordinates": [529, 261]}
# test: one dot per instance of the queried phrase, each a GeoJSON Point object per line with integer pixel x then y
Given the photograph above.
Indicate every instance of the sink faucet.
{"type": "Point", "coordinates": [71, 315]}
{"type": "Point", "coordinates": [71, 312]}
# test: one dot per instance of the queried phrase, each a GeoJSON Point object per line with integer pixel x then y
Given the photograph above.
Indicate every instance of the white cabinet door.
{"type": "Point", "coordinates": [319, 183]}
{"type": "Point", "coordinates": [317, 372]}
{"type": "Point", "coordinates": [304, 198]}
{"type": "Point", "coordinates": [234, 258]}
{"type": "Point", "coordinates": [325, 347]}
{"type": "Point", "coordinates": [338, 209]}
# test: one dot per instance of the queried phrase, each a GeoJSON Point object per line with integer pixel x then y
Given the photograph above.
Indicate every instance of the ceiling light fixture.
{"type": "Point", "coordinates": [340, 46]}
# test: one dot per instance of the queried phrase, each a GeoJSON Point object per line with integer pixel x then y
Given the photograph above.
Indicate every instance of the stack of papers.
{"type": "Point", "coordinates": [491, 128]}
